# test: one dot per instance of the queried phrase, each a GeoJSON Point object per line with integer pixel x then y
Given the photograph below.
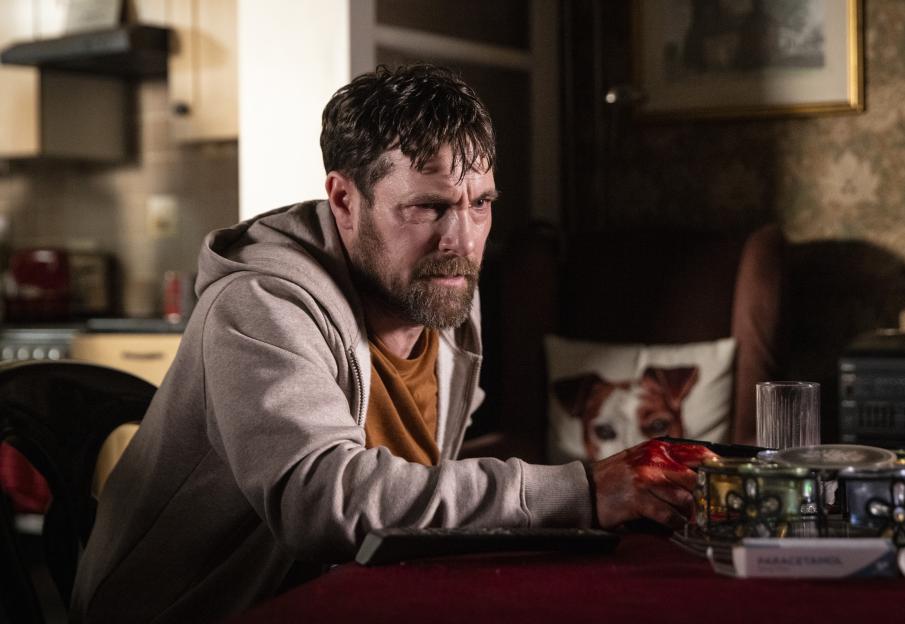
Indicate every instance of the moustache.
{"type": "Point", "coordinates": [449, 266]}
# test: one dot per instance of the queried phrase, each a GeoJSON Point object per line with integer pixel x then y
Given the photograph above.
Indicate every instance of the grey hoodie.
{"type": "Point", "coordinates": [251, 460]}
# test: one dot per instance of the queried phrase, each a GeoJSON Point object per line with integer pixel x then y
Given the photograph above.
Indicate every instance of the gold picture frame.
{"type": "Point", "coordinates": [747, 58]}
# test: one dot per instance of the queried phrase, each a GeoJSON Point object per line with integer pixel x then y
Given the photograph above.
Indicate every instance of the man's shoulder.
{"type": "Point", "coordinates": [273, 307]}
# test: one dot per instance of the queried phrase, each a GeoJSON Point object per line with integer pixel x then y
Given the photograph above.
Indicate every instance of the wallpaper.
{"type": "Point", "coordinates": [835, 183]}
{"type": "Point", "coordinates": [837, 176]}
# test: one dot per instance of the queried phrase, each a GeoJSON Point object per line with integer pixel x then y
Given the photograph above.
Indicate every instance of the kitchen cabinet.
{"type": "Point", "coordinates": [203, 69]}
{"type": "Point", "coordinates": [144, 355]}
{"type": "Point", "coordinates": [19, 85]}
{"type": "Point", "coordinates": [19, 120]}
{"type": "Point", "coordinates": [53, 113]}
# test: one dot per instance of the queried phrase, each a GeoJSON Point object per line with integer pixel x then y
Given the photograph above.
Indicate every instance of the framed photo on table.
{"type": "Point", "coordinates": [743, 58]}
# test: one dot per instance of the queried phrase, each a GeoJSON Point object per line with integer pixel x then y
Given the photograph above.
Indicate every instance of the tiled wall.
{"type": "Point", "coordinates": [105, 206]}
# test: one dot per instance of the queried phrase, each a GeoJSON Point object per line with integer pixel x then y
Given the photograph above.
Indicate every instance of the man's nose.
{"type": "Point", "coordinates": [458, 232]}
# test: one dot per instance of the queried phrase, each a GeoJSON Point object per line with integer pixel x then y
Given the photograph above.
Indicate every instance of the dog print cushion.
{"type": "Point", "coordinates": [608, 397]}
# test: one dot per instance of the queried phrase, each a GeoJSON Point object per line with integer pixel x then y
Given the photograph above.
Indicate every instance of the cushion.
{"type": "Point", "coordinates": [608, 397]}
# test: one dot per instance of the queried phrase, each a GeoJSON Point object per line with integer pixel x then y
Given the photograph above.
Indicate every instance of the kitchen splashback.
{"type": "Point", "coordinates": [106, 207]}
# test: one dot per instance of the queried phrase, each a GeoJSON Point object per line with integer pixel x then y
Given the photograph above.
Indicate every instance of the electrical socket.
{"type": "Point", "coordinates": [163, 215]}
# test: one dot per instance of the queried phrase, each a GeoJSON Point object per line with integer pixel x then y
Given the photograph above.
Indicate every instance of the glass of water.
{"type": "Point", "coordinates": [788, 414]}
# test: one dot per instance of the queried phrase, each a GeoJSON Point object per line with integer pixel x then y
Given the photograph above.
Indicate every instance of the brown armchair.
{"type": "Point", "coordinates": [641, 287]}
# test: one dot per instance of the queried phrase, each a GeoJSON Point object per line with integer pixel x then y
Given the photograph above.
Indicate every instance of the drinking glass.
{"type": "Point", "coordinates": [788, 414]}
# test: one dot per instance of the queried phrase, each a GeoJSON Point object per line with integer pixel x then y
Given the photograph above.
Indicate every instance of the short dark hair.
{"type": "Point", "coordinates": [417, 108]}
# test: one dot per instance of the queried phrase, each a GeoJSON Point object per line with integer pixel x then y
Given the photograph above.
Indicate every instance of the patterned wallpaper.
{"type": "Point", "coordinates": [822, 177]}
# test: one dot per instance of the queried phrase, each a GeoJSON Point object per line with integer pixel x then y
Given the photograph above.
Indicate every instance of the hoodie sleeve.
{"type": "Point", "coordinates": [278, 412]}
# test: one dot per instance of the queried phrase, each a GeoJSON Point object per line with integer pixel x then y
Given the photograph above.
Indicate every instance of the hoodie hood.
{"type": "Point", "coordinates": [298, 243]}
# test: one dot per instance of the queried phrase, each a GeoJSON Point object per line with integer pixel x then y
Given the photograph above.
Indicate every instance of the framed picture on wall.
{"type": "Point", "coordinates": [741, 58]}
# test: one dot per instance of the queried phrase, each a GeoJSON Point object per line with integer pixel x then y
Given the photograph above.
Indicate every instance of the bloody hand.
{"type": "Point", "coordinates": [671, 455]}
{"type": "Point", "coordinates": [651, 480]}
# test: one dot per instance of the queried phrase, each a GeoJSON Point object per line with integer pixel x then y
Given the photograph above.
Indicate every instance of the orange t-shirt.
{"type": "Point", "coordinates": [402, 410]}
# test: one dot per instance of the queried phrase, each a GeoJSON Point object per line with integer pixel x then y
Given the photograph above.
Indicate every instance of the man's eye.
{"type": "Point", "coordinates": [481, 204]}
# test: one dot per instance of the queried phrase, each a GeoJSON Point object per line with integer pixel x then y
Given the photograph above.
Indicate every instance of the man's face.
{"type": "Point", "coordinates": [418, 247]}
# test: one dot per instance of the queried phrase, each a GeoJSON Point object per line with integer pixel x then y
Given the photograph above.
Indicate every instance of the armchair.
{"type": "Point", "coordinates": [646, 287]}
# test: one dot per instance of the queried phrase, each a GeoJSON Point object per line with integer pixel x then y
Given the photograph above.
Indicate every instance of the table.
{"type": "Point", "coordinates": [647, 579]}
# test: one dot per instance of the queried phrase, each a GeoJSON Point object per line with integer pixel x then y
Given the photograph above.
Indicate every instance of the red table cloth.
{"type": "Point", "coordinates": [647, 579]}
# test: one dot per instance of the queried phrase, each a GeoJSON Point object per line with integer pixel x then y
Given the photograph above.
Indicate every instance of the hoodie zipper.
{"type": "Point", "coordinates": [356, 369]}
{"type": "Point", "coordinates": [466, 405]}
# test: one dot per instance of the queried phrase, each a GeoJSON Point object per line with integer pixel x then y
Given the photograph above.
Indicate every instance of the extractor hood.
{"type": "Point", "coordinates": [134, 50]}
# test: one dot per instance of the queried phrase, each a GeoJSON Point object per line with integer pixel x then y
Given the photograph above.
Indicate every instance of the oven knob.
{"type": "Point", "coordinates": [23, 353]}
{"type": "Point", "coordinates": [53, 354]}
{"type": "Point", "coordinates": [37, 353]}
{"type": "Point", "coordinates": [8, 353]}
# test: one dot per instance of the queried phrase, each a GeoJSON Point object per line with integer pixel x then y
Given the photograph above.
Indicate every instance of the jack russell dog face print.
{"type": "Point", "coordinates": [606, 397]}
{"type": "Point", "coordinates": [617, 414]}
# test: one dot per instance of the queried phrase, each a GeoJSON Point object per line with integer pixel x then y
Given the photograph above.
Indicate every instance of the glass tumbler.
{"type": "Point", "coordinates": [788, 414]}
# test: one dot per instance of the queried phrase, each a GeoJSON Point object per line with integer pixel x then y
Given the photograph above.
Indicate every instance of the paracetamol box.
{"type": "Point", "coordinates": [814, 558]}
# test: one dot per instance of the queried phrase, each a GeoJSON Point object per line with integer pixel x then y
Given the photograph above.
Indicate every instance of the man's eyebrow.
{"type": "Point", "coordinates": [490, 196]}
{"type": "Point", "coordinates": [440, 198]}
{"type": "Point", "coordinates": [428, 198]}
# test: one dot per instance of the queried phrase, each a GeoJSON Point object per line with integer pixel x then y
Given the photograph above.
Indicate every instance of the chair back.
{"type": "Point", "coordinates": [58, 415]}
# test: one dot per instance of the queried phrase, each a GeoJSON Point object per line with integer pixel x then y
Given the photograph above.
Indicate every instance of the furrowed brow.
{"type": "Point", "coordinates": [429, 198]}
{"type": "Point", "coordinates": [490, 196]}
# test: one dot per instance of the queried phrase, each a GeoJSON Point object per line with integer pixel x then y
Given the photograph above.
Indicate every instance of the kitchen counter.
{"type": "Point", "coordinates": [133, 325]}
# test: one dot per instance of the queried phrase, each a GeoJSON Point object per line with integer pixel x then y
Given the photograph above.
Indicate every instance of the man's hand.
{"type": "Point", "coordinates": [651, 480]}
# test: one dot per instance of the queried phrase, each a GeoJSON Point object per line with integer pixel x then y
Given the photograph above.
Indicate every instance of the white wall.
{"type": "Point", "coordinates": [293, 55]}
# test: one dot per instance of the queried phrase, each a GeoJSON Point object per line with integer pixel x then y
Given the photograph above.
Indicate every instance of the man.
{"type": "Point", "coordinates": [326, 377]}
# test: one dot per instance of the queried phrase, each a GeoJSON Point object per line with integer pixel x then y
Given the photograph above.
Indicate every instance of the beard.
{"type": "Point", "coordinates": [420, 300]}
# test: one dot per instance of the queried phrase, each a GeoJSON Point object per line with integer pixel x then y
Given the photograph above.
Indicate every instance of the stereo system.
{"type": "Point", "coordinates": [872, 390]}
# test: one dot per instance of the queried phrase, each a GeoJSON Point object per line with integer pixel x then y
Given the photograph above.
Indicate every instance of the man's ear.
{"type": "Point", "coordinates": [342, 195]}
